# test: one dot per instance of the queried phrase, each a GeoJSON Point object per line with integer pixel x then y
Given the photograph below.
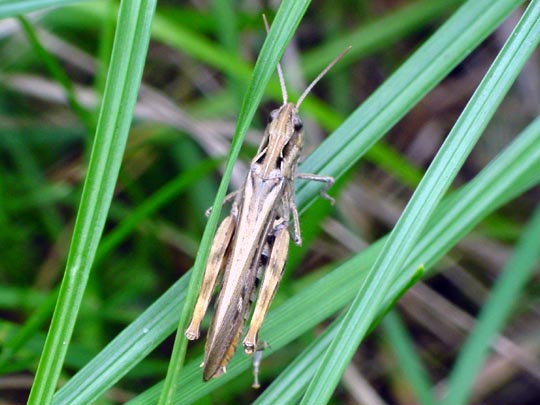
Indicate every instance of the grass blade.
{"type": "Point", "coordinates": [393, 99]}
{"type": "Point", "coordinates": [438, 178]}
{"type": "Point", "coordinates": [10, 8]}
{"type": "Point", "coordinates": [378, 34]}
{"type": "Point", "coordinates": [128, 57]}
{"type": "Point", "coordinates": [290, 384]}
{"type": "Point", "coordinates": [55, 69]}
{"type": "Point", "coordinates": [407, 360]}
{"type": "Point", "coordinates": [495, 312]}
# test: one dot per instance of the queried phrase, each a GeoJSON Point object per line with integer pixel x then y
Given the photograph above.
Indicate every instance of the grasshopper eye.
{"type": "Point", "coordinates": [273, 115]}
{"type": "Point", "coordinates": [298, 124]}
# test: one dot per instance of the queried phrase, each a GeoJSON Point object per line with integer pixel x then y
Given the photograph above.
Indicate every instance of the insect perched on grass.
{"type": "Point", "coordinates": [253, 241]}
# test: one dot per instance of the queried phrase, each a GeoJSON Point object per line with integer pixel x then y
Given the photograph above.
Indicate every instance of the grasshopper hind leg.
{"type": "Point", "coordinates": [267, 290]}
{"type": "Point", "coordinates": [216, 263]}
{"type": "Point", "coordinates": [257, 357]}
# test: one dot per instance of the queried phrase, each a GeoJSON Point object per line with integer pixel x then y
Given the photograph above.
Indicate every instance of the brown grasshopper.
{"type": "Point", "coordinates": [254, 239]}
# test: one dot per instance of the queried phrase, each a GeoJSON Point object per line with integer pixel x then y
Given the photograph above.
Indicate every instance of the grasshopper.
{"type": "Point", "coordinates": [253, 240]}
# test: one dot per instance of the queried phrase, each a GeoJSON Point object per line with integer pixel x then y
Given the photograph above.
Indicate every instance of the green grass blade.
{"type": "Point", "coordinates": [512, 172]}
{"type": "Point", "coordinates": [495, 312]}
{"type": "Point", "coordinates": [55, 69]}
{"type": "Point", "coordinates": [407, 360]}
{"type": "Point", "coordinates": [151, 205]}
{"type": "Point", "coordinates": [290, 384]}
{"type": "Point", "coordinates": [10, 8]}
{"type": "Point", "coordinates": [132, 345]}
{"type": "Point", "coordinates": [287, 19]}
{"type": "Point", "coordinates": [288, 387]}
{"type": "Point", "coordinates": [397, 95]}
{"type": "Point", "coordinates": [228, 34]}
{"type": "Point", "coordinates": [436, 181]}
{"type": "Point", "coordinates": [131, 44]}
{"type": "Point", "coordinates": [377, 35]}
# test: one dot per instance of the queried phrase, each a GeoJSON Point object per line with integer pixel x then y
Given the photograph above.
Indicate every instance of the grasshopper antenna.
{"type": "Point", "coordinates": [326, 69]}
{"type": "Point", "coordinates": [279, 70]}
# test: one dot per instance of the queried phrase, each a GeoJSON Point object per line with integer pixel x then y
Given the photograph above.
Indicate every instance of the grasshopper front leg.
{"type": "Point", "coordinates": [215, 265]}
{"type": "Point", "coordinates": [329, 181]}
{"type": "Point", "coordinates": [272, 277]}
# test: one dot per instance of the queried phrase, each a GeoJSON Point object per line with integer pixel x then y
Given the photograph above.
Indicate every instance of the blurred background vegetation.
{"type": "Point", "coordinates": [53, 64]}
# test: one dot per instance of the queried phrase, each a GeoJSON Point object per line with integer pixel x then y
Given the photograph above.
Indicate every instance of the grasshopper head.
{"type": "Point", "coordinates": [284, 133]}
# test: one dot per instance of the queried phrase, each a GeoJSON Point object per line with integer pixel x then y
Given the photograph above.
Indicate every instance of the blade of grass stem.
{"type": "Point", "coordinates": [418, 211]}
{"type": "Point", "coordinates": [288, 387]}
{"type": "Point", "coordinates": [376, 35]}
{"type": "Point", "coordinates": [408, 361]}
{"type": "Point", "coordinates": [10, 8]}
{"type": "Point", "coordinates": [495, 312]}
{"type": "Point", "coordinates": [399, 93]}
{"type": "Point", "coordinates": [59, 75]}
{"type": "Point", "coordinates": [151, 205]}
{"type": "Point", "coordinates": [131, 44]}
